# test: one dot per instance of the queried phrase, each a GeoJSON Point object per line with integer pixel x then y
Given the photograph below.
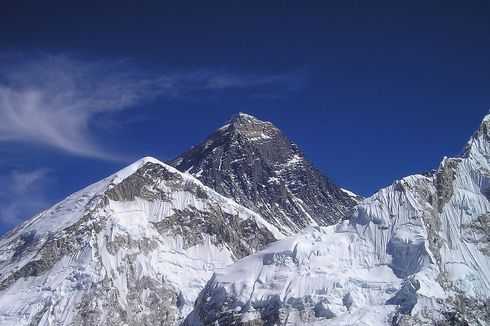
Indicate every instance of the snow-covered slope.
{"type": "Point", "coordinates": [414, 253]}
{"type": "Point", "coordinates": [254, 163]}
{"type": "Point", "coordinates": [135, 248]}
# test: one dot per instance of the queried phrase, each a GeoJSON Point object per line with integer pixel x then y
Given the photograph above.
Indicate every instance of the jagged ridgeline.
{"type": "Point", "coordinates": [254, 163]}
{"type": "Point", "coordinates": [205, 243]}
{"type": "Point", "coordinates": [135, 249]}
{"type": "Point", "coordinates": [414, 253]}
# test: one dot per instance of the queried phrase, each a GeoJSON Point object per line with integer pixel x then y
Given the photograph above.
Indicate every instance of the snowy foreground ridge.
{"type": "Point", "coordinates": [414, 253]}
{"type": "Point", "coordinates": [151, 245]}
{"type": "Point", "coordinates": [135, 248]}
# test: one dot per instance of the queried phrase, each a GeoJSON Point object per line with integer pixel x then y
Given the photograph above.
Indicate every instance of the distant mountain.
{"type": "Point", "coordinates": [414, 253]}
{"type": "Point", "coordinates": [151, 245]}
{"type": "Point", "coordinates": [254, 163]}
{"type": "Point", "coordinates": [133, 249]}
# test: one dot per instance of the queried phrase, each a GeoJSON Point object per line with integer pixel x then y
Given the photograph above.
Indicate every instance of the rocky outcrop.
{"type": "Point", "coordinates": [414, 253]}
{"type": "Point", "coordinates": [133, 249]}
{"type": "Point", "coordinates": [254, 163]}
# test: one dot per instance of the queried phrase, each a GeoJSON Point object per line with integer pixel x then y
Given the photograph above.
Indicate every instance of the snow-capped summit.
{"type": "Point", "coordinates": [153, 245]}
{"type": "Point", "coordinates": [249, 127]}
{"type": "Point", "coordinates": [254, 163]}
{"type": "Point", "coordinates": [133, 249]}
{"type": "Point", "coordinates": [477, 147]}
{"type": "Point", "coordinates": [414, 253]}
{"type": "Point", "coordinates": [244, 118]}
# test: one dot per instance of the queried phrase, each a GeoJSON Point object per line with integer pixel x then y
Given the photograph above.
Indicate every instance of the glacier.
{"type": "Point", "coordinates": [154, 245]}
{"type": "Point", "coordinates": [414, 253]}
{"type": "Point", "coordinates": [135, 248]}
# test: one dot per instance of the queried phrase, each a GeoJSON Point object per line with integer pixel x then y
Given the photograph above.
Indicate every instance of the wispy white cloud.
{"type": "Point", "coordinates": [221, 79]}
{"type": "Point", "coordinates": [22, 195]}
{"type": "Point", "coordinates": [21, 182]}
{"type": "Point", "coordinates": [54, 99]}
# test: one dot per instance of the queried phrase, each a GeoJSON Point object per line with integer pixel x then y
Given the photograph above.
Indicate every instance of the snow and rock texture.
{"type": "Point", "coordinates": [414, 253]}
{"type": "Point", "coordinates": [254, 163]}
{"type": "Point", "coordinates": [141, 246]}
{"type": "Point", "coordinates": [133, 249]}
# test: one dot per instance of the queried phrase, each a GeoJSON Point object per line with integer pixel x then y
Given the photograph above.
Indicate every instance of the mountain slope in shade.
{"type": "Point", "coordinates": [135, 248]}
{"type": "Point", "coordinates": [414, 253]}
{"type": "Point", "coordinates": [254, 163]}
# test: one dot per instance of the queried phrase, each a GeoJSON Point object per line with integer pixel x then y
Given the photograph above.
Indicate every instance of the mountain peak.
{"type": "Point", "coordinates": [241, 120]}
{"type": "Point", "coordinates": [249, 127]}
{"type": "Point", "coordinates": [253, 162]}
{"type": "Point", "coordinates": [243, 116]}
{"type": "Point", "coordinates": [127, 241]}
{"type": "Point", "coordinates": [479, 143]}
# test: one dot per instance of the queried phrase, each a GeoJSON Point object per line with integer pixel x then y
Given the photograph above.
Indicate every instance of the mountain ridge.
{"type": "Point", "coordinates": [127, 242]}
{"type": "Point", "coordinates": [254, 163]}
{"type": "Point", "coordinates": [415, 252]}
{"type": "Point", "coordinates": [142, 245]}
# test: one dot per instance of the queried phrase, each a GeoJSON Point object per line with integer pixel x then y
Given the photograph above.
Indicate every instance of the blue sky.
{"type": "Point", "coordinates": [370, 91]}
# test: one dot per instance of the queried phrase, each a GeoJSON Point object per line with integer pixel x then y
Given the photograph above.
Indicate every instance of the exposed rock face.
{"type": "Point", "coordinates": [414, 253]}
{"type": "Point", "coordinates": [143, 245]}
{"type": "Point", "coordinates": [254, 163]}
{"type": "Point", "coordinates": [134, 249]}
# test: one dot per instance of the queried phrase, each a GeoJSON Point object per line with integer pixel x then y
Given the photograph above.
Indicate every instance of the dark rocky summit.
{"type": "Point", "coordinates": [254, 163]}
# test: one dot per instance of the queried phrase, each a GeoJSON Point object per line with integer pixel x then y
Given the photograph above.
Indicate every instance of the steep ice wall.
{"type": "Point", "coordinates": [135, 248]}
{"type": "Point", "coordinates": [363, 270]}
{"type": "Point", "coordinates": [416, 252]}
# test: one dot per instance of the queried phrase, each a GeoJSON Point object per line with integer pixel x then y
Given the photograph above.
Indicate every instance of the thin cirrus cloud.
{"type": "Point", "coordinates": [54, 100]}
{"type": "Point", "coordinates": [22, 195]}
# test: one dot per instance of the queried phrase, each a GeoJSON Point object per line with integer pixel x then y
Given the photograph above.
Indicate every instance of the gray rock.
{"type": "Point", "coordinates": [254, 163]}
